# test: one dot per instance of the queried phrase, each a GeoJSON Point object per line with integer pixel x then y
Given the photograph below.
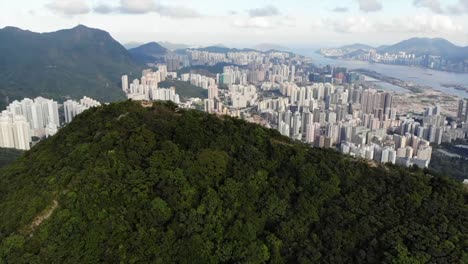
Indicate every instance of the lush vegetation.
{"type": "Point", "coordinates": [67, 63]}
{"type": "Point", "coordinates": [450, 166]}
{"type": "Point", "coordinates": [185, 89]}
{"type": "Point", "coordinates": [455, 167]}
{"type": "Point", "coordinates": [127, 184]}
{"type": "Point", "coordinates": [7, 156]}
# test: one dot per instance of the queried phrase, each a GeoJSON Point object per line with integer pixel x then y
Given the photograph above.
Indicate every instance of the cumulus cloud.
{"type": "Point", "coordinates": [458, 8]}
{"type": "Point", "coordinates": [177, 11]}
{"type": "Point", "coordinates": [137, 6]}
{"type": "Point", "coordinates": [340, 9]}
{"type": "Point", "coordinates": [265, 11]}
{"type": "Point", "coordinates": [433, 5]}
{"type": "Point", "coordinates": [352, 24]}
{"type": "Point", "coordinates": [68, 7]}
{"type": "Point", "coordinates": [103, 9]}
{"type": "Point", "coordinates": [370, 5]}
{"type": "Point", "coordinates": [439, 24]}
{"type": "Point", "coordinates": [147, 6]}
{"type": "Point", "coordinates": [427, 24]}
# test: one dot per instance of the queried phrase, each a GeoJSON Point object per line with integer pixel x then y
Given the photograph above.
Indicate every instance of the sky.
{"type": "Point", "coordinates": [245, 23]}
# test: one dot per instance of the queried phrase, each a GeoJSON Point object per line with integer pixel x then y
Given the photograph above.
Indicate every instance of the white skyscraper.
{"type": "Point", "coordinates": [40, 113]}
{"type": "Point", "coordinates": [14, 131]}
{"type": "Point", "coordinates": [72, 108]}
{"type": "Point", "coordinates": [125, 83]}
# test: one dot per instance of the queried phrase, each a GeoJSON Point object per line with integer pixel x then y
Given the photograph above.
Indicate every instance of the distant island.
{"type": "Point", "coordinates": [437, 54]}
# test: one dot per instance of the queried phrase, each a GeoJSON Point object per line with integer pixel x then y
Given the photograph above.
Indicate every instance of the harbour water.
{"type": "Point", "coordinates": [417, 75]}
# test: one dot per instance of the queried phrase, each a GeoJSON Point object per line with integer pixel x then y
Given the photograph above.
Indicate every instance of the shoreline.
{"type": "Point", "coordinates": [390, 64]}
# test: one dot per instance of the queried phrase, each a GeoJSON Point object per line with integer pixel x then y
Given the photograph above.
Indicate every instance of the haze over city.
{"type": "Point", "coordinates": [295, 23]}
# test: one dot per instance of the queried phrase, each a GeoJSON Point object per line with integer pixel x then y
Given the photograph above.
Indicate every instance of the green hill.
{"type": "Point", "coordinates": [67, 63]}
{"type": "Point", "coordinates": [7, 156]}
{"type": "Point", "coordinates": [149, 53]}
{"type": "Point", "coordinates": [185, 89]}
{"type": "Point", "coordinates": [127, 184]}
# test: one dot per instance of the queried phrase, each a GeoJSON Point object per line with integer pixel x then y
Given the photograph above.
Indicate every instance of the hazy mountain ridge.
{"type": "Point", "coordinates": [428, 46]}
{"type": "Point", "coordinates": [149, 52]}
{"type": "Point", "coordinates": [418, 46]}
{"type": "Point", "coordinates": [173, 46]}
{"type": "Point", "coordinates": [358, 46]}
{"type": "Point", "coordinates": [268, 46]}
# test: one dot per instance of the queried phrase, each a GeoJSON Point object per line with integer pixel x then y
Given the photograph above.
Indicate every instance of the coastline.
{"type": "Point", "coordinates": [380, 63]}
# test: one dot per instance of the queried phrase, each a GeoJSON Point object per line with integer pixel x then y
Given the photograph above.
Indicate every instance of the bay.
{"type": "Point", "coordinates": [417, 75]}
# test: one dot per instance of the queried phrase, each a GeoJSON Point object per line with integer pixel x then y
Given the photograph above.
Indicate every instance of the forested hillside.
{"type": "Point", "coordinates": [7, 156]}
{"type": "Point", "coordinates": [127, 184]}
{"type": "Point", "coordinates": [66, 63]}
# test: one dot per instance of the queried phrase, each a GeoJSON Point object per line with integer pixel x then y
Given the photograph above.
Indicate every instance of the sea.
{"type": "Point", "coordinates": [417, 75]}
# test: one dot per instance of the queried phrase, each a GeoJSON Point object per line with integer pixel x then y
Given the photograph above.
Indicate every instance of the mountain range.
{"type": "Point", "coordinates": [268, 46]}
{"type": "Point", "coordinates": [123, 183]}
{"type": "Point", "coordinates": [173, 46]}
{"type": "Point", "coordinates": [418, 46]}
{"type": "Point", "coordinates": [67, 63]}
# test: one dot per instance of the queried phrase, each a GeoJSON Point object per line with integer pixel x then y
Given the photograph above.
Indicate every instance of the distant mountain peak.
{"type": "Point", "coordinates": [148, 52]}
{"type": "Point", "coordinates": [11, 28]}
{"type": "Point", "coordinates": [358, 46]}
{"type": "Point", "coordinates": [269, 46]}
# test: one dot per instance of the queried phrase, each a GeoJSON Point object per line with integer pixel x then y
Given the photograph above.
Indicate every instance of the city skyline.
{"type": "Point", "coordinates": [245, 23]}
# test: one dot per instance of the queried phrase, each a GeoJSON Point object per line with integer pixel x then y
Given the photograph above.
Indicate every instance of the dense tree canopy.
{"type": "Point", "coordinates": [128, 184]}
{"type": "Point", "coordinates": [7, 156]}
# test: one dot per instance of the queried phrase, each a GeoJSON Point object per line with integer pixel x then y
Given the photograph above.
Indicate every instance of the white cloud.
{"type": "Point", "coordinates": [103, 9]}
{"type": "Point", "coordinates": [265, 22]}
{"type": "Point", "coordinates": [370, 5]}
{"type": "Point", "coordinates": [147, 6]}
{"type": "Point", "coordinates": [433, 5]}
{"type": "Point", "coordinates": [177, 11]}
{"type": "Point", "coordinates": [353, 24]}
{"type": "Point", "coordinates": [438, 24]}
{"type": "Point", "coordinates": [253, 22]}
{"type": "Point", "coordinates": [265, 11]}
{"type": "Point", "coordinates": [427, 24]}
{"type": "Point", "coordinates": [137, 6]}
{"type": "Point", "coordinates": [458, 8]}
{"type": "Point", "coordinates": [340, 9]}
{"type": "Point", "coordinates": [69, 7]}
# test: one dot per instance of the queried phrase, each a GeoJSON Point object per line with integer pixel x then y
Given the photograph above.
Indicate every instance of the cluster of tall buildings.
{"type": "Point", "coordinates": [356, 120]}
{"type": "Point", "coordinates": [39, 117]}
{"type": "Point", "coordinates": [24, 119]}
{"type": "Point", "coordinates": [434, 127]}
{"type": "Point", "coordinates": [147, 88]}
{"type": "Point", "coordinates": [198, 57]}
{"type": "Point", "coordinates": [325, 107]}
{"type": "Point", "coordinates": [198, 80]}
{"type": "Point", "coordinates": [14, 131]}
{"type": "Point", "coordinates": [232, 75]}
{"type": "Point", "coordinates": [202, 57]}
{"type": "Point", "coordinates": [73, 108]}
{"type": "Point", "coordinates": [399, 58]}
{"type": "Point", "coordinates": [462, 115]}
